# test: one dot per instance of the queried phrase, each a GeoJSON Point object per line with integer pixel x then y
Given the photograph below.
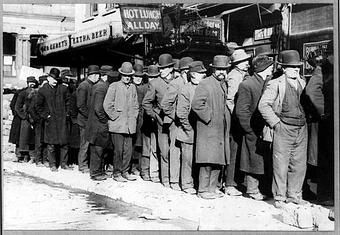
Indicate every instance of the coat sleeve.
{"type": "Point", "coordinates": [266, 103]}
{"type": "Point", "coordinates": [109, 102]}
{"type": "Point", "coordinates": [19, 105]}
{"type": "Point", "coordinates": [183, 109]}
{"type": "Point", "coordinates": [13, 101]}
{"type": "Point", "coordinates": [41, 106]}
{"type": "Point", "coordinates": [233, 82]}
{"type": "Point", "coordinates": [242, 107]}
{"type": "Point", "coordinates": [148, 101]}
{"type": "Point", "coordinates": [200, 104]}
{"type": "Point", "coordinates": [99, 97]}
{"type": "Point", "coordinates": [81, 101]}
{"type": "Point", "coordinates": [314, 91]}
{"type": "Point", "coordinates": [135, 104]}
{"type": "Point", "coordinates": [168, 103]}
{"type": "Point", "coordinates": [68, 103]}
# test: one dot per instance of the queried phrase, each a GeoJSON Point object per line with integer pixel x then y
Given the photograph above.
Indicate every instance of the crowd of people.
{"type": "Point", "coordinates": [254, 122]}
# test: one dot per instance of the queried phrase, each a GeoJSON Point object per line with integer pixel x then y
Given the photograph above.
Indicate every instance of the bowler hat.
{"type": "Point", "coordinates": [93, 69]}
{"type": "Point", "coordinates": [176, 65]}
{"type": "Point", "coordinates": [104, 69]}
{"type": "Point", "coordinates": [289, 58]}
{"type": "Point", "coordinates": [153, 71]}
{"type": "Point", "coordinates": [261, 63]}
{"type": "Point", "coordinates": [197, 66]}
{"type": "Point", "coordinates": [138, 70]}
{"type": "Point", "coordinates": [231, 47]}
{"type": "Point", "coordinates": [42, 79]}
{"type": "Point", "coordinates": [66, 72]}
{"type": "Point", "coordinates": [54, 73]}
{"type": "Point", "coordinates": [112, 76]}
{"type": "Point", "coordinates": [126, 69]}
{"type": "Point", "coordinates": [239, 56]}
{"type": "Point", "coordinates": [31, 79]}
{"type": "Point", "coordinates": [264, 50]}
{"type": "Point", "coordinates": [221, 62]}
{"type": "Point", "coordinates": [165, 60]}
{"type": "Point", "coordinates": [184, 62]}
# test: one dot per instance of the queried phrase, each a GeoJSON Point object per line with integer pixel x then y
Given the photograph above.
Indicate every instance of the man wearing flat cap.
{"type": "Point", "coordinates": [280, 106]}
{"type": "Point", "coordinates": [26, 140]}
{"type": "Point", "coordinates": [53, 108]}
{"type": "Point", "coordinates": [212, 140]}
{"type": "Point", "coordinates": [83, 101]}
{"type": "Point", "coordinates": [252, 123]}
{"type": "Point", "coordinates": [155, 94]}
{"type": "Point", "coordinates": [187, 127]}
{"type": "Point", "coordinates": [121, 106]}
{"type": "Point", "coordinates": [168, 104]}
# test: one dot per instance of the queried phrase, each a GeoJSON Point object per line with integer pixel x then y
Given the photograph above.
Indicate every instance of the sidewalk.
{"type": "Point", "coordinates": [227, 213]}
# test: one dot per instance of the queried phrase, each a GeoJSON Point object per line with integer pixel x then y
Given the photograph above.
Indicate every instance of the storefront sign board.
{"type": "Point", "coordinates": [317, 49]}
{"type": "Point", "coordinates": [54, 45]}
{"type": "Point", "coordinates": [89, 36]}
{"type": "Point", "coordinates": [204, 29]}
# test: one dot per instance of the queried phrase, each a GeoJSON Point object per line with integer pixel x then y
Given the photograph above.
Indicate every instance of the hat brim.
{"type": "Point", "coordinates": [153, 75]}
{"type": "Point", "coordinates": [291, 64]}
{"type": "Point", "coordinates": [53, 76]}
{"type": "Point", "coordinates": [220, 67]}
{"type": "Point", "coordinates": [139, 74]}
{"type": "Point", "coordinates": [241, 60]}
{"type": "Point", "coordinates": [183, 68]}
{"type": "Point", "coordinates": [127, 74]}
{"type": "Point", "coordinates": [97, 72]}
{"type": "Point", "coordinates": [267, 54]}
{"type": "Point", "coordinates": [167, 65]}
{"type": "Point", "coordinates": [264, 67]}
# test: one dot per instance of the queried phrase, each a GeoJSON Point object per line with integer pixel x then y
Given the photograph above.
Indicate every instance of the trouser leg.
{"type": "Point", "coordinates": [174, 158]}
{"type": "Point", "coordinates": [230, 168]}
{"type": "Point", "coordinates": [186, 169]}
{"type": "Point", "coordinates": [215, 172]}
{"type": "Point", "coordinates": [127, 153]}
{"type": "Point", "coordinates": [63, 155]}
{"type": "Point", "coordinates": [51, 155]}
{"type": "Point", "coordinates": [96, 160]}
{"type": "Point", "coordinates": [163, 142]}
{"type": "Point", "coordinates": [118, 141]}
{"type": "Point", "coordinates": [83, 147]}
{"type": "Point", "coordinates": [252, 183]}
{"type": "Point", "coordinates": [154, 160]}
{"type": "Point", "coordinates": [204, 178]}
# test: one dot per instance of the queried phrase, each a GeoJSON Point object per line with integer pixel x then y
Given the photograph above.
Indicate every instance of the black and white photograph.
{"type": "Point", "coordinates": [170, 116]}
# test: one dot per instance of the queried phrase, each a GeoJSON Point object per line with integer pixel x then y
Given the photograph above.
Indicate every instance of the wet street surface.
{"type": "Point", "coordinates": [38, 204]}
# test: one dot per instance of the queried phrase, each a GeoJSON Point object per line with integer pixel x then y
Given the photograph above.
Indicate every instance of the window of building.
{"type": "Point", "coordinates": [9, 66]}
{"type": "Point", "coordinates": [91, 10]}
{"type": "Point", "coordinates": [111, 6]}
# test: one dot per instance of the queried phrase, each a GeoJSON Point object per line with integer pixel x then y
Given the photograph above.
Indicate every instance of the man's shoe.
{"type": "Point", "coordinates": [279, 204]}
{"type": "Point", "coordinates": [19, 160]}
{"type": "Point", "coordinates": [107, 175]}
{"type": "Point", "coordinates": [331, 214]}
{"type": "Point", "coordinates": [32, 161]}
{"type": "Point", "coordinates": [66, 167]}
{"type": "Point", "coordinates": [54, 169]}
{"type": "Point", "coordinates": [26, 158]}
{"type": "Point", "coordinates": [189, 191]}
{"type": "Point", "coordinates": [129, 177]}
{"type": "Point", "coordinates": [257, 196]}
{"type": "Point", "coordinates": [207, 195]}
{"type": "Point", "coordinates": [109, 168]}
{"type": "Point", "coordinates": [167, 185]}
{"type": "Point", "coordinates": [119, 179]}
{"type": "Point", "coordinates": [146, 178]}
{"type": "Point", "coordinates": [155, 179]}
{"type": "Point", "coordinates": [39, 164]}
{"type": "Point", "coordinates": [232, 191]}
{"type": "Point", "coordinates": [218, 193]}
{"type": "Point", "coordinates": [46, 164]}
{"type": "Point", "coordinates": [98, 177]}
{"type": "Point", "coordinates": [298, 201]}
{"type": "Point", "coordinates": [175, 186]}
{"type": "Point", "coordinates": [135, 172]}
{"type": "Point", "coordinates": [85, 171]}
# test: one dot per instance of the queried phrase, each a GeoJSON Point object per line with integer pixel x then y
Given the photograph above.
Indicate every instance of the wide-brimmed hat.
{"type": "Point", "coordinates": [153, 71]}
{"type": "Point", "coordinates": [221, 62]}
{"type": "Point", "coordinates": [31, 79]}
{"type": "Point", "coordinates": [184, 62]}
{"type": "Point", "coordinates": [197, 66]}
{"type": "Point", "coordinates": [261, 63]}
{"type": "Point", "coordinates": [112, 76]}
{"type": "Point", "coordinates": [239, 56]}
{"type": "Point", "coordinates": [54, 73]}
{"type": "Point", "coordinates": [165, 60]}
{"type": "Point", "coordinates": [104, 69]}
{"type": "Point", "coordinates": [93, 69]}
{"type": "Point", "coordinates": [176, 65]}
{"type": "Point", "coordinates": [264, 50]}
{"type": "Point", "coordinates": [138, 70]}
{"type": "Point", "coordinates": [42, 79]}
{"type": "Point", "coordinates": [289, 58]}
{"type": "Point", "coordinates": [126, 69]}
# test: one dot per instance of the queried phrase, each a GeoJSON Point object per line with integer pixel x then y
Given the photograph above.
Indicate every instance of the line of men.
{"type": "Point", "coordinates": [181, 128]}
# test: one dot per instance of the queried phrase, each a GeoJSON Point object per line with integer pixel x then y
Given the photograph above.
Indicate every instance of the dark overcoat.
{"type": "Point", "coordinates": [97, 129]}
{"type": "Point", "coordinates": [212, 140]}
{"type": "Point", "coordinates": [83, 101]}
{"type": "Point", "coordinates": [53, 107]}
{"type": "Point", "coordinates": [252, 123]}
{"type": "Point", "coordinates": [141, 91]}
{"type": "Point", "coordinates": [14, 133]}
{"type": "Point", "coordinates": [74, 132]}
{"type": "Point", "coordinates": [22, 105]}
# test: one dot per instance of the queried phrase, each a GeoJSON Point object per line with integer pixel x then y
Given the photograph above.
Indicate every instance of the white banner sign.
{"type": "Point", "coordinates": [26, 71]}
{"type": "Point", "coordinates": [54, 45]}
{"type": "Point", "coordinates": [90, 36]}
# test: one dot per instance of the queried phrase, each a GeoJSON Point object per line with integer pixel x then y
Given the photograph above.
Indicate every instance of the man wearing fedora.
{"type": "Point", "coordinates": [53, 108]}
{"type": "Point", "coordinates": [83, 99]}
{"type": "Point", "coordinates": [154, 95]}
{"type": "Point", "coordinates": [24, 100]}
{"type": "Point", "coordinates": [252, 123]}
{"type": "Point", "coordinates": [150, 165]}
{"type": "Point", "coordinates": [168, 104]}
{"type": "Point", "coordinates": [97, 128]}
{"type": "Point", "coordinates": [212, 140]}
{"type": "Point", "coordinates": [280, 106]}
{"type": "Point", "coordinates": [240, 62]}
{"type": "Point", "coordinates": [267, 50]}
{"type": "Point", "coordinates": [121, 105]}
{"type": "Point", "coordinates": [187, 120]}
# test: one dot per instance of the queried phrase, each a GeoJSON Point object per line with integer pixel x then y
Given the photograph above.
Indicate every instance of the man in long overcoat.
{"type": "Point", "coordinates": [83, 102]}
{"type": "Point", "coordinates": [53, 107]}
{"type": "Point", "coordinates": [97, 129]}
{"type": "Point", "coordinates": [252, 123]}
{"type": "Point", "coordinates": [26, 140]}
{"type": "Point", "coordinates": [152, 105]}
{"type": "Point", "coordinates": [212, 141]}
{"type": "Point", "coordinates": [121, 106]}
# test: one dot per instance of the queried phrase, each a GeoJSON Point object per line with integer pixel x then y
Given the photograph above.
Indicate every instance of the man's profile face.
{"type": "Point", "coordinates": [166, 72]}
